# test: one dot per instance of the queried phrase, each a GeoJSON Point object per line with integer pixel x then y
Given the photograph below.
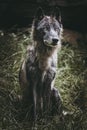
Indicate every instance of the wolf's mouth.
{"type": "Point", "coordinates": [51, 44]}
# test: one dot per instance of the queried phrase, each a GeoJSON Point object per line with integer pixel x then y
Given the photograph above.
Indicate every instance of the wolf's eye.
{"type": "Point", "coordinates": [57, 30]}
{"type": "Point", "coordinates": [48, 27]}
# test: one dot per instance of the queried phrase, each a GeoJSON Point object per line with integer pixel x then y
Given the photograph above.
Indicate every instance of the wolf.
{"type": "Point", "coordinates": [38, 70]}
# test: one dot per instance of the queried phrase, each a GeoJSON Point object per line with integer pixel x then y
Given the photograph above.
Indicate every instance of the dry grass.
{"type": "Point", "coordinates": [71, 82]}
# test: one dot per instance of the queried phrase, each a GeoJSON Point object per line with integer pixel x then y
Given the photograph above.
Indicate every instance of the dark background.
{"type": "Point", "coordinates": [21, 12]}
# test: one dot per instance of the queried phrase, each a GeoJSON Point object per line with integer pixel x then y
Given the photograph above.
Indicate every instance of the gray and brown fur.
{"type": "Point", "coordinates": [38, 71]}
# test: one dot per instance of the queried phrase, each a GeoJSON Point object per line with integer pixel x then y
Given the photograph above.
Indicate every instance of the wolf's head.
{"type": "Point", "coordinates": [47, 29]}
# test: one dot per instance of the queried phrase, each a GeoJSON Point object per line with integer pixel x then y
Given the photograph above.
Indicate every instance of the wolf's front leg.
{"type": "Point", "coordinates": [56, 103]}
{"type": "Point", "coordinates": [48, 78]}
{"type": "Point", "coordinates": [29, 102]}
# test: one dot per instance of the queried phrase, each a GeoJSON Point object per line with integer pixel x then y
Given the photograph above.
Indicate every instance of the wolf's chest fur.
{"type": "Point", "coordinates": [41, 66]}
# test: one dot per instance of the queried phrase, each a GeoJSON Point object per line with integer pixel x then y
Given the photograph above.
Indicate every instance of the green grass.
{"type": "Point", "coordinates": [71, 81]}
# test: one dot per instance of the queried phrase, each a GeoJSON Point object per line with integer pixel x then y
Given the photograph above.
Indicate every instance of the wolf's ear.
{"type": "Point", "coordinates": [57, 14]}
{"type": "Point", "coordinates": [39, 13]}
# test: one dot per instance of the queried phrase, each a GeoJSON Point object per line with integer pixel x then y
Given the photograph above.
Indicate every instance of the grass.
{"type": "Point", "coordinates": [71, 81]}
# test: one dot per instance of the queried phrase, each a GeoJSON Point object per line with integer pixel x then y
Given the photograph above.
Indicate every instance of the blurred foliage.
{"type": "Point", "coordinates": [71, 81]}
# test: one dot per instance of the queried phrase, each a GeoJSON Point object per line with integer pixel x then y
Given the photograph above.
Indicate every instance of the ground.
{"type": "Point", "coordinates": [71, 81]}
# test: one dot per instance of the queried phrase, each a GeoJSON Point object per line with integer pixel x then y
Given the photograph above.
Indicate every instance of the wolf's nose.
{"type": "Point", "coordinates": [54, 41]}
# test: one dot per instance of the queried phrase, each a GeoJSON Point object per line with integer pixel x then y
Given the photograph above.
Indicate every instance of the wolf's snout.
{"type": "Point", "coordinates": [54, 41]}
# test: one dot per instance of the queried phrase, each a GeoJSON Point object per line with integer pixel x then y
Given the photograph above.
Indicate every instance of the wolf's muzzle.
{"type": "Point", "coordinates": [53, 43]}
